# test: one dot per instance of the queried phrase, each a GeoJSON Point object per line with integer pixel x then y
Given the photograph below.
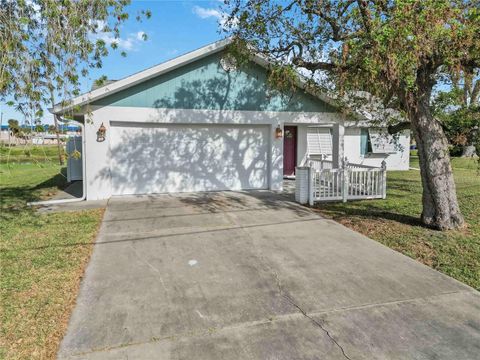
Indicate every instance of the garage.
{"type": "Point", "coordinates": [148, 158]}
{"type": "Point", "coordinates": [198, 122]}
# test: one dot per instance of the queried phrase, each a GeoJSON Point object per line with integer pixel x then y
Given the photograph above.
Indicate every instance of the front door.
{"type": "Point", "coordinates": [289, 150]}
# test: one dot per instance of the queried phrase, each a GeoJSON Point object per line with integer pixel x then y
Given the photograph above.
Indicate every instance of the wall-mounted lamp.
{"type": "Point", "coordinates": [102, 130]}
{"type": "Point", "coordinates": [278, 132]}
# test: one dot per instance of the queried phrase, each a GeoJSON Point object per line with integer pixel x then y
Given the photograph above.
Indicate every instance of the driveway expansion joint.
{"type": "Point", "coordinates": [284, 317]}
{"type": "Point", "coordinates": [283, 294]}
{"type": "Point", "coordinates": [286, 296]}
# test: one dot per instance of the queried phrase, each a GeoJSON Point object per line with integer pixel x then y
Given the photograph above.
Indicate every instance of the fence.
{"type": "Point", "coordinates": [321, 182]}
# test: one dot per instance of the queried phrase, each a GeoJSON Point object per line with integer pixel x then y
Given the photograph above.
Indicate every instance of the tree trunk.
{"type": "Point", "coordinates": [440, 205]}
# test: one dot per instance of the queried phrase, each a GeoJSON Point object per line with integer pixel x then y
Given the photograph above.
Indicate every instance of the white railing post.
{"type": "Point", "coordinates": [384, 179]}
{"type": "Point", "coordinates": [344, 179]}
{"type": "Point", "coordinates": [311, 189]}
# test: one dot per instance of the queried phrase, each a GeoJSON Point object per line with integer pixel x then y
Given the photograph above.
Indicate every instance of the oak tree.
{"type": "Point", "coordinates": [396, 50]}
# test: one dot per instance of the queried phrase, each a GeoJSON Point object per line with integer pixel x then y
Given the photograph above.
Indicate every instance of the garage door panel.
{"type": "Point", "coordinates": [175, 158]}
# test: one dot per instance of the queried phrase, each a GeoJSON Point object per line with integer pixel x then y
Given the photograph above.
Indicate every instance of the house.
{"type": "Point", "coordinates": [199, 122]}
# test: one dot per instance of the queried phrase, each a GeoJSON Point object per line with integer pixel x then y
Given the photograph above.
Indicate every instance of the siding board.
{"type": "Point", "coordinates": [204, 84]}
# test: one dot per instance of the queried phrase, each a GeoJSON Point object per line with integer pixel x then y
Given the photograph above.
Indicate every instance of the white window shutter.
{"type": "Point", "coordinates": [319, 141]}
{"type": "Point", "coordinates": [382, 142]}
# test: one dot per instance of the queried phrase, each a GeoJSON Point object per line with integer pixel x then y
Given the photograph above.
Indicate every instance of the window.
{"type": "Point", "coordinates": [365, 146]}
{"type": "Point", "coordinates": [376, 141]}
{"type": "Point", "coordinates": [319, 141]}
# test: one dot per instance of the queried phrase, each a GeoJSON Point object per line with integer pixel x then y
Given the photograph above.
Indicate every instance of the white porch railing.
{"type": "Point", "coordinates": [350, 182]}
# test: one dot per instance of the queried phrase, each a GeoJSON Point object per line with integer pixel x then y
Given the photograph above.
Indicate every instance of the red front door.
{"type": "Point", "coordinates": [289, 150]}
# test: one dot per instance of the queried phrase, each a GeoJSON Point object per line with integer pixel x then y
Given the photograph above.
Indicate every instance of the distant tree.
{"type": "Point", "coordinates": [459, 111]}
{"type": "Point", "coordinates": [39, 128]}
{"type": "Point", "coordinates": [392, 49]}
{"type": "Point", "coordinates": [51, 129]}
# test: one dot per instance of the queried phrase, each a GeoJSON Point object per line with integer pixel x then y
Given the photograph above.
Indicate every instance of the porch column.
{"type": "Point", "coordinates": [338, 144]}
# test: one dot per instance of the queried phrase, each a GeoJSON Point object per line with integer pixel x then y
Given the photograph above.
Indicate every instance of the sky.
{"type": "Point", "coordinates": [176, 27]}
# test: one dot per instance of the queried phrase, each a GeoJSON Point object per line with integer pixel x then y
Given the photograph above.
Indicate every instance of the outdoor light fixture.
{"type": "Point", "coordinates": [278, 132]}
{"type": "Point", "coordinates": [101, 133]}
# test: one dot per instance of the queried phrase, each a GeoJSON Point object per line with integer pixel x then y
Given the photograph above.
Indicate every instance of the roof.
{"type": "Point", "coordinates": [165, 67]}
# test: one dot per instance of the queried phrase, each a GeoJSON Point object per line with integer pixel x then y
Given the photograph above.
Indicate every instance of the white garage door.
{"type": "Point", "coordinates": [152, 158]}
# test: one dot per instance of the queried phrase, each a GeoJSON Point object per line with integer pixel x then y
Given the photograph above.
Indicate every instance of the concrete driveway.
{"type": "Point", "coordinates": [254, 276]}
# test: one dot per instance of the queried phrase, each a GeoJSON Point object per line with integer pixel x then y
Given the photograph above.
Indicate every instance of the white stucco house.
{"type": "Point", "coordinates": [200, 123]}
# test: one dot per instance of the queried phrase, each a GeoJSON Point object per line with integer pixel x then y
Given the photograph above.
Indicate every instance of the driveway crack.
{"type": "Point", "coordinates": [304, 313]}
{"type": "Point", "coordinates": [282, 293]}
{"type": "Point", "coordinates": [318, 324]}
{"type": "Point", "coordinates": [153, 268]}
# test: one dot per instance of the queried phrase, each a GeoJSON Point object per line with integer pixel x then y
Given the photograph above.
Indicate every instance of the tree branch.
{"type": "Point", "coordinates": [366, 16]}
{"type": "Point", "coordinates": [475, 94]}
{"type": "Point", "coordinates": [393, 129]}
{"type": "Point", "coordinates": [337, 34]}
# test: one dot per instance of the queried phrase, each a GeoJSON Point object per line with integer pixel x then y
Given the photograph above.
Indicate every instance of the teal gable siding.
{"type": "Point", "coordinates": [204, 84]}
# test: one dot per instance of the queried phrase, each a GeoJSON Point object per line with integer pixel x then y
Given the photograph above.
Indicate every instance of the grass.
{"type": "Point", "coordinates": [29, 154]}
{"type": "Point", "coordinates": [394, 222]}
{"type": "Point", "coordinates": [43, 258]}
{"type": "Point", "coordinates": [43, 255]}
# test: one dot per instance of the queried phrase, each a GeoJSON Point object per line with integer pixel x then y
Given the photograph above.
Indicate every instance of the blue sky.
{"type": "Point", "coordinates": [176, 27]}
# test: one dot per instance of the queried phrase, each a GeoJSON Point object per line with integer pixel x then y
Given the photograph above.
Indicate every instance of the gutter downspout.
{"type": "Point", "coordinates": [84, 183]}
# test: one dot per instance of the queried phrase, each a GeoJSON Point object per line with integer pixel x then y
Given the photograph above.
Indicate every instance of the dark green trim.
{"type": "Point", "coordinates": [365, 145]}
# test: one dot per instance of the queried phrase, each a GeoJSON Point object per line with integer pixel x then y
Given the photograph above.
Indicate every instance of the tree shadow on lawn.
{"type": "Point", "coordinates": [15, 198]}
{"type": "Point", "coordinates": [344, 211]}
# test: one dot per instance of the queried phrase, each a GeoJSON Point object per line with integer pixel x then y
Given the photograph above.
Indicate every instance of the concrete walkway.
{"type": "Point", "coordinates": [72, 191]}
{"type": "Point", "coordinates": [253, 276]}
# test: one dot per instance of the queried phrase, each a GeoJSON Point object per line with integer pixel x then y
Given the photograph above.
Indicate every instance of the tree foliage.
{"type": "Point", "coordinates": [394, 50]}
{"type": "Point", "coordinates": [459, 111]}
{"type": "Point", "coordinates": [49, 45]}
{"type": "Point", "coordinates": [380, 46]}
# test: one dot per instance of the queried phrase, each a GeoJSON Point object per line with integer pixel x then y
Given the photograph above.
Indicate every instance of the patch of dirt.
{"type": "Point", "coordinates": [425, 253]}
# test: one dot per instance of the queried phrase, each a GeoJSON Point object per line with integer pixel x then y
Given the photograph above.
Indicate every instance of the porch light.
{"type": "Point", "coordinates": [102, 130]}
{"type": "Point", "coordinates": [278, 132]}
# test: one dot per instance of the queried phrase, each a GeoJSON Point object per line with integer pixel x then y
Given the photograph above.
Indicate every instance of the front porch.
{"type": "Point", "coordinates": [315, 157]}
{"type": "Point", "coordinates": [321, 181]}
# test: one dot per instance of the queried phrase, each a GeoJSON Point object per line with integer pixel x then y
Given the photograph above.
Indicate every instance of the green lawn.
{"type": "Point", "coordinates": [394, 222]}
{"type": "Point", "coordinates": [42, 260]}
{"type": "Point", "coordinates": [29, 154]}
{"type": "Point", "coordinates": [43, 256]}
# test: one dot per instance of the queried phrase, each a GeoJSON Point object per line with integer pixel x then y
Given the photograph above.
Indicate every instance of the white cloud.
{"type": "Point", "coordinates": [206, 13]}
{"type": "Point", "coordinates": [140, 35]}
